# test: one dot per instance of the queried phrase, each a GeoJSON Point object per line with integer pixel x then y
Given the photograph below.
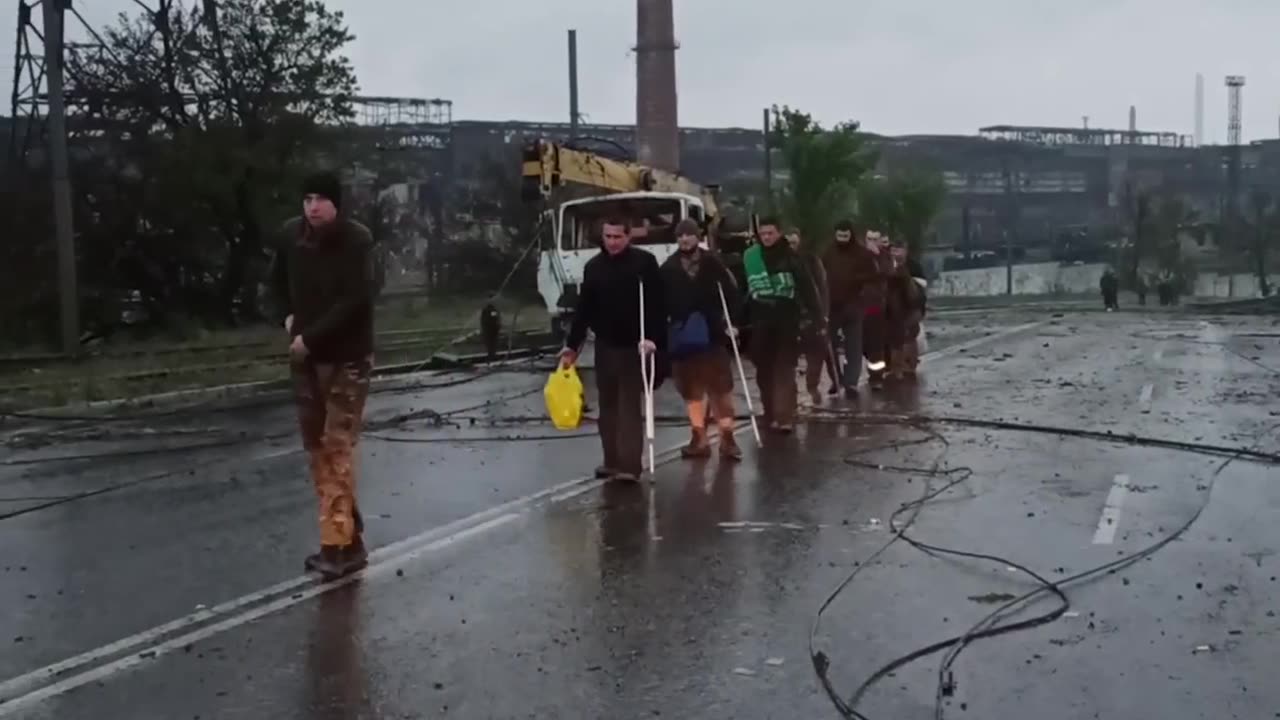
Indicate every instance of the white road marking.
{"type": "Point", "coordinates": [964, 346]}
{"type": "Point", "coordinates": [276, 454]}
{"type": "Point", "coordinates": [380, 560]}
{"type": "Point", "coordinates": [1144, 398]}
{"type": "Point", "coordinates": [387, 553]}
{"type": "Point", "coordinates": [1106, 532]}
{"type": "Point", "coordinates": [150, 653]}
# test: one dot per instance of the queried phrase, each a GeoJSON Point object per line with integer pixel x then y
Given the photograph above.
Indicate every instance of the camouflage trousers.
{"type": "Point", "coordinates": [330, 399]}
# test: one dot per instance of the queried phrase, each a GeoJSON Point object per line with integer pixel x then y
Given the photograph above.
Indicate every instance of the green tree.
{"type": "Point", "coordinates": [211, 115]}
{"type": "Point", "coordinates": [1264, 227]}
{"type": "Point", "coordinates": [823, 166]}
{"type": "Point", "coordinates": [903, 205]}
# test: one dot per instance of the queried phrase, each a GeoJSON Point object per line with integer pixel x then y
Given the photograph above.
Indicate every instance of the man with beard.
{"type": "Point", "coordinates": [778, 300]}
{"type": "Point", "coordinates": [850, 268]}
{"type": "Point", "coordinates": [324, 280]}
{"type": "Point", "coordinates": [609, 306]}
{"type": "Point", "coordinates": [693, 280]}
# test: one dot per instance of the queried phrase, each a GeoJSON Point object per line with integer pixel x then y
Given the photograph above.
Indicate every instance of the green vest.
{"type": "Point", "coordinates": [763, 285]}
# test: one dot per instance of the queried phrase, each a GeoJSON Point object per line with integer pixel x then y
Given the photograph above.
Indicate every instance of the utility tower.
{"type": "Point", "coordinates": [40, 114]}
{"type": "Point", "coordinates": [1235, 85]}
{"type": "Point", "coordinates": [657, 125]}
{"type": "Point", "coordinates": [49, 113]}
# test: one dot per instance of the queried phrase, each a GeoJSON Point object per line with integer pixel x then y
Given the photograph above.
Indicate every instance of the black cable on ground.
{"type": "Point", "coordinates": [141, 452]}
{"type": "Point", "coordinates": [1250, 453]}
{"type": "Point", "coordinates": [987, 627]}
{"type": "Point", "coordinates": [1150, 335]}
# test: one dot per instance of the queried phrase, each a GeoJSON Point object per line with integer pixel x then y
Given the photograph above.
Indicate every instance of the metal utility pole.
{"type": "Point", "coordinates": [768, 160]}
{"type": "Point", "coordinates": [68, 292]}
{"type": "Point", "coordinates": [573, 84]}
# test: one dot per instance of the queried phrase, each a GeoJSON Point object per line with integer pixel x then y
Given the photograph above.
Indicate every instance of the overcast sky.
{"type": "Point", "coordinates": [897, 66]}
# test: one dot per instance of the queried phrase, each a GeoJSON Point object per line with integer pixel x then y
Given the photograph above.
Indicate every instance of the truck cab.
{"type": "Point", "coordinates": [573, 238]}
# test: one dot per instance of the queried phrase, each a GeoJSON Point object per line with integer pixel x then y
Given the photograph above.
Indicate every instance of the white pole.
{"type": "Point", "coordinates": [648, 371]}
{"type": "Point", "coordinates": [742, 374]}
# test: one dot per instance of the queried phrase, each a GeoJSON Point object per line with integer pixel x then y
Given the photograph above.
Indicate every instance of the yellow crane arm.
{"type": "Point", "coordinates": [548, 166]}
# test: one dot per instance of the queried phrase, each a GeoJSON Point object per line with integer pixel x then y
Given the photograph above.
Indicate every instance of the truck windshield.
{"type": "Point", "coordinates": [653, 220]}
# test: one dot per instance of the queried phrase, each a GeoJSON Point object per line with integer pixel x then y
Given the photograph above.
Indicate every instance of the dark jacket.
{"type": "Point", "coordinates": [875, 287]}
{"type": "Point", "coordinates": [815, 274]}
{"type": "Point", "coordinates": [684, 294]}
{"type": "Point", "coordinates": [853, 277]}
{"type": "Point", "coordinates": [780, 314]}
{"type": "Point", "coordinates": [609, 300]}
{"type": "Point", "coordinates": [326, 280]}
{"type": "Point", "coordinates": [905, 296]}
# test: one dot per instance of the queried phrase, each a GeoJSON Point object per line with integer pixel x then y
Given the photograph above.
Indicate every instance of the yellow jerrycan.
{"type": "Point", "coordinates": [563, 394]}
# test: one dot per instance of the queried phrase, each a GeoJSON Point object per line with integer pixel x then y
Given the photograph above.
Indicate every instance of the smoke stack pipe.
{"type": "Point", "coordinates": [1199, 139]}
{"type": "Point", "coordinates": [657, 125]}
{"type": "Point", "coordinates": [1133, 119]}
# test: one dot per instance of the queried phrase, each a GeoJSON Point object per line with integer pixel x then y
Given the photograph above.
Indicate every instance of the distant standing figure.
{"type": "Point", "coordinates": [1110, 286]}
{"type": "Point", "coordinates": [324, 281]}
{"type": "Point", "coordinates": [490, 329]}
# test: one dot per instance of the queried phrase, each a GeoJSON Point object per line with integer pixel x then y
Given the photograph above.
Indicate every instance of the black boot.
{"type": "Point", "coordinates": [333, 562]}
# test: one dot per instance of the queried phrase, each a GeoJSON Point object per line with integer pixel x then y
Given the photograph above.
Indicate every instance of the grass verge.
{"type": "Point", "coordinates": [409, 328]}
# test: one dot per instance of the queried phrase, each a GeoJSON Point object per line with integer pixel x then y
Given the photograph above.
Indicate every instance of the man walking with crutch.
{"type": "Point", "coordinates": [609, 305]}
{"type": "Point", "coordinates": [697, 289]}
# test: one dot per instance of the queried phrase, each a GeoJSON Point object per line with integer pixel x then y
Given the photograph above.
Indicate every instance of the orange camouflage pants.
{"type": "Point", "coordinates": [330, 399]}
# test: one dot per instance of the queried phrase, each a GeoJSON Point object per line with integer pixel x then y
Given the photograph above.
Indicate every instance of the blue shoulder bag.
{"type": "Point", "coordinates": [690, 337]}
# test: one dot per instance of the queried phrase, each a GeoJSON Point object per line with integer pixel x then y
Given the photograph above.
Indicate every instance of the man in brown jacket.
{"type": "Point", "coordinates": [850, 268]}
{"type": "Point", "coordinates": [324, 282]}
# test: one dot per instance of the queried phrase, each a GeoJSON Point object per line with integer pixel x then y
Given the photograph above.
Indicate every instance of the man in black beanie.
{"type": "Point", "coordinates": [323, 278]}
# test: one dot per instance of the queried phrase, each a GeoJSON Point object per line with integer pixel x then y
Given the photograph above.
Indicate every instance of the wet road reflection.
{"type": "Point", "coordinates": [337, 686]}
{"type": "Point", "coordinates": [693, 597]}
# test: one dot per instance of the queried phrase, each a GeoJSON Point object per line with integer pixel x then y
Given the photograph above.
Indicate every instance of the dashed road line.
{"type": "Point", "coordinates": [1144, 398]}
{"type": "Point", "coordinates": [1111, 511]}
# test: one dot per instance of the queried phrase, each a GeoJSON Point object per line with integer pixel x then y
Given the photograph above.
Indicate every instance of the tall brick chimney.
{"type": "Point", "coordinates": [657, 125]}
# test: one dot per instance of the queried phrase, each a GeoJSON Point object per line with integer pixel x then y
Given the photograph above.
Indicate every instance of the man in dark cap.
{"type": "Point", "coordinates": [324, 281]}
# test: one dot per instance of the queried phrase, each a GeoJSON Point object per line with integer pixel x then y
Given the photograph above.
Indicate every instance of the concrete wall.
{"type": "Point", "coordinates": [1237, 285]}
{"type": "Point", "coordinates": [1058, 279]}
{"type": "Point", "coordinates": [1030, 279]}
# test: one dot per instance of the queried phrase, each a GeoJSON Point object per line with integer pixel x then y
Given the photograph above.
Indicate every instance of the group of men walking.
{"type": "Point", "coordinates": [864, 296]}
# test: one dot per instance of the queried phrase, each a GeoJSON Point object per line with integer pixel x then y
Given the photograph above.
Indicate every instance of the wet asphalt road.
{"type": "Point", "coordinates": [507, 585]}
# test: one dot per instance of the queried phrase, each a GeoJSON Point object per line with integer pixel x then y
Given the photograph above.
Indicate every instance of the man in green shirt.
{"type": "Point", "coordinates": [779, 299]}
